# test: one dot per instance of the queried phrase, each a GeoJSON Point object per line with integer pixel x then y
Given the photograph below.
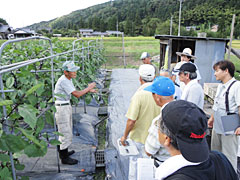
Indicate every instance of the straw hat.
{"type": "Point", "coordinates": [186, 52]}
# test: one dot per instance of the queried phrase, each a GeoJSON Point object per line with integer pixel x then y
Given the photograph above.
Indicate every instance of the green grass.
{"type": "Point", "coordinates": [236, 62]}
{"type": "Point", "coordinates": [236, 44]}
{"type": "Point", "coordinates": [134, 46]}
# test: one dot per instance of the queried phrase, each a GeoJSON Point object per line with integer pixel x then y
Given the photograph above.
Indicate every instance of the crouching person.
{"type": "Point", "coordinates": [65, 88]}
{"type": "Point", "coordinates": [182, 129]}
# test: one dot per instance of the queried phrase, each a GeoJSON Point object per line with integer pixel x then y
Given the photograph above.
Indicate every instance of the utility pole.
{"type": "Point", "coordinates": [231, 37]}
{"type": "Point", "coordinates": [179, 22]}
{"type": "Point", "coordinates": [117, 27]}
{"type": "Point", "coordinates": [171, 26]}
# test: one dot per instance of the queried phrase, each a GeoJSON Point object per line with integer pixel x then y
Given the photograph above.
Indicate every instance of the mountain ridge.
{"type": "Point", "coordinates": [142, 17]}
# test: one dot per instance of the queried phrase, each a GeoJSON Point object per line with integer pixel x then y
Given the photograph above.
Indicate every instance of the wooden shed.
{"type": "Point", "coordinates": [207, 50]}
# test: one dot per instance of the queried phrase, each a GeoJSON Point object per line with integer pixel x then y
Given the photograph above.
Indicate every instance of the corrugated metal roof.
{"type": "Point", "coordinates": [166, 37]}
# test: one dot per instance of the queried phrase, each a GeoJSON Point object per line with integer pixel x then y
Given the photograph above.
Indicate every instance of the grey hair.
{"type": "Point", "coordinates": [166, 70]}
{"type": "Point", "coordinates": [163, 128]}
{"type": "Point", "coordinates": [147, 80]}
{"type": "Point", "coordinates": [192, 75]}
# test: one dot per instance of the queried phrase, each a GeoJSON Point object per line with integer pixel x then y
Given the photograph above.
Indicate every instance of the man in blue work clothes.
{"type": "Point", "coordinates": [64, 89]}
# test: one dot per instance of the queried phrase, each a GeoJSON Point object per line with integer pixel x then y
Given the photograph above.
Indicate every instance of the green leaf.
{"type": "Point", "coordinates": [5, 173]}
{"type": "Point", "coordinates": [6, 102]}
{"type": "Point", "coordinates": [28, 112]}
{"type": "Point", "coordinates": [55, 142]}
{"type": "Point", "coordinates": [34, 88]}
{"type": "Point", "coordinates": [88, 99]}
{"type": "Point", "coordinates": [49, 118]}
{"type": "Point", "coordinates": [29, 135]}
{"type": "Point", "coordinates": [43, 104]}
{"type": "Point", "coordinates": [12, 143]}
{"type": "Point", "coordinates": [40, 125]}
{"type": "Point", "coordinates": [58, 133]}
{"type": "Point", "coordinates": [24, 178]}
{"type": "Point", "coordinates": [40, 90]}
{"type": "Point", "coordinates": [10, 82]}
{"type": "Point", "coordinates": [18, 154]}
{"type": "Point", "coordinates": [19, 167]}
{"type": "Point", "coordinates": [34, 151]}
{"type": "Point", "coordinates": [1, 130]}
{"type": "Point", "coordinates": [32, 99]}
{"type": "Point", "coordinates": [4, 158]}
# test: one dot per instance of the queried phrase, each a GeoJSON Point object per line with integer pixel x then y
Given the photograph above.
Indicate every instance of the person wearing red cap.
{"type": "Point", "coordinates": [181, 130]}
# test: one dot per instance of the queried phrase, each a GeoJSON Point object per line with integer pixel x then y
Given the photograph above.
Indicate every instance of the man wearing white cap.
{"type": "Point", "coordinates": [146, 59]}
{"type": "Point", "coordinates": [142, 109]}
{"type": "Point", "coordinates": [186, 56]}
{"type": "Point", "coordinates": [64, 89]}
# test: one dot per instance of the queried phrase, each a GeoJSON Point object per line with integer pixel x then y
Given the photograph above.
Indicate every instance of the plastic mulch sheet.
{"type": "Point", "coordinates": [123, 85]}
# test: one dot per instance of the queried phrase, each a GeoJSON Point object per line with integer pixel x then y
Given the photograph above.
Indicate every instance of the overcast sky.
{"type": "Point", "coordinates": [20, 13]}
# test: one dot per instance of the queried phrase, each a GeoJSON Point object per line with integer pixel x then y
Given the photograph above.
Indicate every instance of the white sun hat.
{"type": "Point", "coordinates": [186, 52]}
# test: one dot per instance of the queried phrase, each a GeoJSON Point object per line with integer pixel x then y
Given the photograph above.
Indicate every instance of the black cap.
{"type": "Point", "coordinates": [188, 123]}
{"type": "Point", "coordinates": [189, 67]}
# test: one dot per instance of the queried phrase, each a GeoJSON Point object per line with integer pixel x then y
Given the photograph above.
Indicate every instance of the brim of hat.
{"type": "Point", "coordinates": [180, 54]}
{"type": "Point", "coordinates": [194, 152]}
{"type": "Point", "coordinates": [74, 69]}
{"type": "Point", "coordinates": [150, 89]}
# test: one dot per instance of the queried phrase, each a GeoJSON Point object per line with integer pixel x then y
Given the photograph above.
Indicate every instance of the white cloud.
{"type": "Point", "coordinates": [20, 13]}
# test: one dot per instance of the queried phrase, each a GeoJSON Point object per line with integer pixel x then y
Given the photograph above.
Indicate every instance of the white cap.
{"type": "Point", "coordinates": [147, 72]}
{"type": "Point", "coordinates": [70, 66]}
{"type": "Point", "coordinates": [144, 55]}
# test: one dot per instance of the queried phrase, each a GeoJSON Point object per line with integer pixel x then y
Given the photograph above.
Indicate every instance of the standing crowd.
{"type": "Point", "coordinates": [166, 119]}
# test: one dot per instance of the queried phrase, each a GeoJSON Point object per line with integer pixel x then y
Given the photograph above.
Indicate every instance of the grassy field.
{"type": "Point", "coordinates": [134, 46]}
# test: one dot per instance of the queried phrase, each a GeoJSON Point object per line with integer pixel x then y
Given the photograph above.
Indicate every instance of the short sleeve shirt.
{"type": "Point", "coordinates": [143, 110]}
{"type": "Point", "coordinates": [152, 144]}
{"type": "Point", "coordinates": [193, 92]}
{"type": "Point", "coordinates": [219, 106]}
{"type": "Point", "coordinates": [64, 87]}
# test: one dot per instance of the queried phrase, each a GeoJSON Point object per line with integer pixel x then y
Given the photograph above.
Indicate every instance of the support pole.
{"type": "Point", "coordinates": [179, 21]}
{"type": "Point", "coordinates": [124, 58]}
{"type": "Point", "coordinates": [171, 25]}
{"type": "Point", "coordinates": [231, 36]}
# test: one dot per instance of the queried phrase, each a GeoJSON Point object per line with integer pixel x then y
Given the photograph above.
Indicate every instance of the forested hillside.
{"type": "Point", "coordinates": [149, 17]}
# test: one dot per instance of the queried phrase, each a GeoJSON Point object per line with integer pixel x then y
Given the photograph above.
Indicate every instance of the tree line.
{"type": "Point", "coordinates": [149, 17]}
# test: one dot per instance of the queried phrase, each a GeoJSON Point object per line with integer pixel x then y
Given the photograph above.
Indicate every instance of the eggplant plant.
{"type": "Point", "coordinates": [30, 107]}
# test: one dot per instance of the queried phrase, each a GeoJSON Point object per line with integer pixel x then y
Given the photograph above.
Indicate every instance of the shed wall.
{"type": "Point", "coordinates": [208, 53]}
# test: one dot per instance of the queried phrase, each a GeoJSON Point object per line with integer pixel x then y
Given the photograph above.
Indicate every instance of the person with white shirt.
{"type": "Point", "coordinates": [63, 90]}
{"type": "Point", "coordinates": [182, 130]}
{"type": "Point", "coordinates": [193, 91]}
{"type": "Point", "coordinates": [186, 57]}
{"type": "Point", "coordinates": [227, 144]}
